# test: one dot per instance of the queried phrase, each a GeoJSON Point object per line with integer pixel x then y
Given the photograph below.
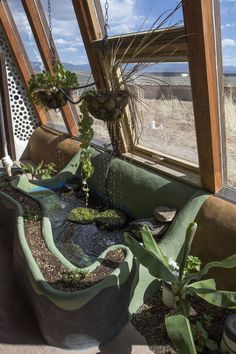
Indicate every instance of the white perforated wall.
{"type": "Point", "coordinates": [24, 119]}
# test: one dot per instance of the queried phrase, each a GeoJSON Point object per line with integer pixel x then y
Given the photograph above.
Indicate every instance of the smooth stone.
{"type": "Point", "coordinates": [116, 220]}
{"type": "Point", "coordinates": [156, 228]}
{"type": "Point", "coordinates": [164, 214]}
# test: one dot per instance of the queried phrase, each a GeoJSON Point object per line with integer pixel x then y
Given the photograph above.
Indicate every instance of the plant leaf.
{"type": "Point", "coordinates": [151, 245]}
{"type": "Point", "coordinates": [155, 266]}
{"type": "Point", "coordinates": [206, 289]}
{"type": "Point", "coordinates": [179, 331]}
{"type": "Point", "coordinates": [229, 262]}
{"type": "Point", "coordinates": [190, 232]}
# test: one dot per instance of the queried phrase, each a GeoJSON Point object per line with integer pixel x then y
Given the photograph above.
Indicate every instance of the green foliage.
{"type": "Point", "coordinates": [31, 169]}
{"type": "Point", "coordinates": [192, 264]}
{"type": "Point", "coordinates": [202, 341]}
{"type": "Point", "coordinates": [86, 136]}
{"type": "Point", "coordinates": [59, 78]}
{"type": "Point", "coordinates": [74, 276]}
{"type": "Point", "coordinates": [32, 216]}
{"type": "Point", "coordinates": [48, 170]}
{"type": "Point", "coordinates": [41, 170]}
{"type": "Point", "coordinates": [185, 282]}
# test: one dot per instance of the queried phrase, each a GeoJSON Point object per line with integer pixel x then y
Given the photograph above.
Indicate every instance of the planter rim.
{"type": "Point", "coordinates": [63, 299]}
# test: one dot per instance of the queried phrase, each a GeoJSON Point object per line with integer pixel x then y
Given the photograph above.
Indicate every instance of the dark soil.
{"type": "Point", "coordinates": [149, 321]}
{"type": "Point", "coordinates": [28, 205]}
{"type": "Point", "coordinates": [53, 271]}
{"type": "Point", "coordinates": [111, 262]}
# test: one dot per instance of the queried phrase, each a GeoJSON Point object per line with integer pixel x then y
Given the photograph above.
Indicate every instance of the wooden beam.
{"type": "Point", "coordinates": [6, 107]}
{"type": "Point", "coordinates": [10, 30]}
{"type": "Point", "coordinates": [38, 22]}
{"type": "Point", "coordinates": [200, 29]}
{"type": "Point", "coordinates": [88, 16]}
{"type": "Point", "coordinates": [165, 45]}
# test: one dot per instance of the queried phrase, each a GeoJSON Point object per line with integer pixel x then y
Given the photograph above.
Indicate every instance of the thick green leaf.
{"type": "Point", "coordinates": [206, 289]}
{"type": "Point", "coordinates": [190, 232]}
{"type": "Point", "coordinates": [229, 262]}
{"type": "Point", "coordinates": [179, 331]}
{"type": "Point", "coordinates": [151, 245]}
{"type": "Point", "coordinates": [155, 266]}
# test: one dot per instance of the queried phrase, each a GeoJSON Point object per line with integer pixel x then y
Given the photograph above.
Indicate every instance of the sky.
{"type": "Point", "coordinates": [124, 16]}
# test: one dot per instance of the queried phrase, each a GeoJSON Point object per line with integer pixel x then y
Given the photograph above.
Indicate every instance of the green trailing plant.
{"type": "Point", "coordinates": [86, 136]}
{"type": "Point", "coordinates": [45, 87]}
{"type": "Point", "coordinates": [41, 170]}
{"type": "Point", "coordinates": [183, 284]}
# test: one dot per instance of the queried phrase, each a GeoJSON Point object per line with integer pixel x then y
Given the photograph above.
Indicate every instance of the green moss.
{"type": "Point", "coordinates": [111, 218]}
{"type": "Point", "coordinates": [83, 215]}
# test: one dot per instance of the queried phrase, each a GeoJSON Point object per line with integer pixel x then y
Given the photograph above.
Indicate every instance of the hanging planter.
{"type": "Point", "coordinates": [52, 89]}
{"type": "Point", "coordinates": [107, 105]}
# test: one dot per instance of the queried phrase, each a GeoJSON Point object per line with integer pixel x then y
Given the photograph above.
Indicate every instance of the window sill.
{"type": "Point", "coordinates": [178, 172]}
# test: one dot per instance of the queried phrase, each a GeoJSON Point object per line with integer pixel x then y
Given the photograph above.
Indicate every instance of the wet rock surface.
{"type": "Point", "coordinates": [164, 214]}
{"type": "Point", "coordinates": [157, 228]}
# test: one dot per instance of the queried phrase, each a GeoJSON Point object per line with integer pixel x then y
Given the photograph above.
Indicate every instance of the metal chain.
{"type": "Point", "coordinates": [106, 25]}
{"type": "Point", "coordinates": [52, 49]}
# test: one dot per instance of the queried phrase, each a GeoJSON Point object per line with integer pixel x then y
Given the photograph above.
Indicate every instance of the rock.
{"type": "Point", "coordinates": [111, 219]}
{"type": "Point", "coordinates": [164, 214]}
{"type": "Point", "coordinates": [156, 228]}
{"type": "Point", "coordinates": [82, 215]}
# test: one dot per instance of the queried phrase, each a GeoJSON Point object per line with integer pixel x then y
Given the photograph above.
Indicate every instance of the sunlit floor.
{"type": "Point", "coordinates": [19, 333]}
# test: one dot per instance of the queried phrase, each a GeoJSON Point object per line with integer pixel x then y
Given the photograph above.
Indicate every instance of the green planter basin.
{"type": "Point", "coordinates": [83, 318]}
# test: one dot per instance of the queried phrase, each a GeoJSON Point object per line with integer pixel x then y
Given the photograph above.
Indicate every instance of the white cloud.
{"type": "Point", "coordinates": [230, 25]}
{"type": "Point", "coordinates": [228, 42]}
{"type": "Point", "coordinates": [70, 50]}
{"type": "Point", "coordinates": [122, 16]}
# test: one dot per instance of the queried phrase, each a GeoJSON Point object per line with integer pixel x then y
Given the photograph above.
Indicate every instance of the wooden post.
{"type": "Point", "coordinates": [20, 56]}
{"type": "Point", "coordinates": [38, 22]}
{"type": "Point", "coordinates": [200, 26]}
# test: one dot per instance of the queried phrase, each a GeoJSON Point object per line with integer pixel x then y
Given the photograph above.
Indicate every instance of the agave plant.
{"type": "Point", "coordinates": [183, 284]}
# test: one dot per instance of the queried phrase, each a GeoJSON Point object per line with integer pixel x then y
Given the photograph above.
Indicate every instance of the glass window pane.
{"type": "Point", "coordinates": [125, 16]}
{"type": "Point", "coordinates": [228, 32]}
{"type": "Point", "coordinates": [166, 111]}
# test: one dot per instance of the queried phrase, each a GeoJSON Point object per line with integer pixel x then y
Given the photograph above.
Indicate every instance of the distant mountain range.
{"type": "Point", "coordinates": [158, 68]}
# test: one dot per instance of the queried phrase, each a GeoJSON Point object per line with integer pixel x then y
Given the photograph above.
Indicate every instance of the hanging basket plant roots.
{"type": "Point", "coordinates": [52, 99]}
{"type": "Point", "coordinates": [107, 105]}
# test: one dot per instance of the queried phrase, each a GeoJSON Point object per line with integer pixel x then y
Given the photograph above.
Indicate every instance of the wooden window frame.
{"type": "Point", "coordinates": [200, 35]}
{"type": "Point", "coordinates": [39, 26]}
{"type": "Point", "coordinates": [198, 46]}
{"type": "Point", "coordinates": [21, 59]}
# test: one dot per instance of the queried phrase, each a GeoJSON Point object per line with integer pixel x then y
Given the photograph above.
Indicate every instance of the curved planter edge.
{"type": "Point", "coordinates": [83, 318]}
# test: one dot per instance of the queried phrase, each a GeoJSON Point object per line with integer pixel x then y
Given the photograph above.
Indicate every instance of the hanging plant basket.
{"type": "Point", "coordinates": [52, 99]}
{"type": "Point", "coordinates": [107, 105]}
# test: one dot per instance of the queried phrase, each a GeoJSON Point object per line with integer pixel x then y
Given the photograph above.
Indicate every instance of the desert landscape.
{"type": "Point", "coordinates": [168, 118]}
